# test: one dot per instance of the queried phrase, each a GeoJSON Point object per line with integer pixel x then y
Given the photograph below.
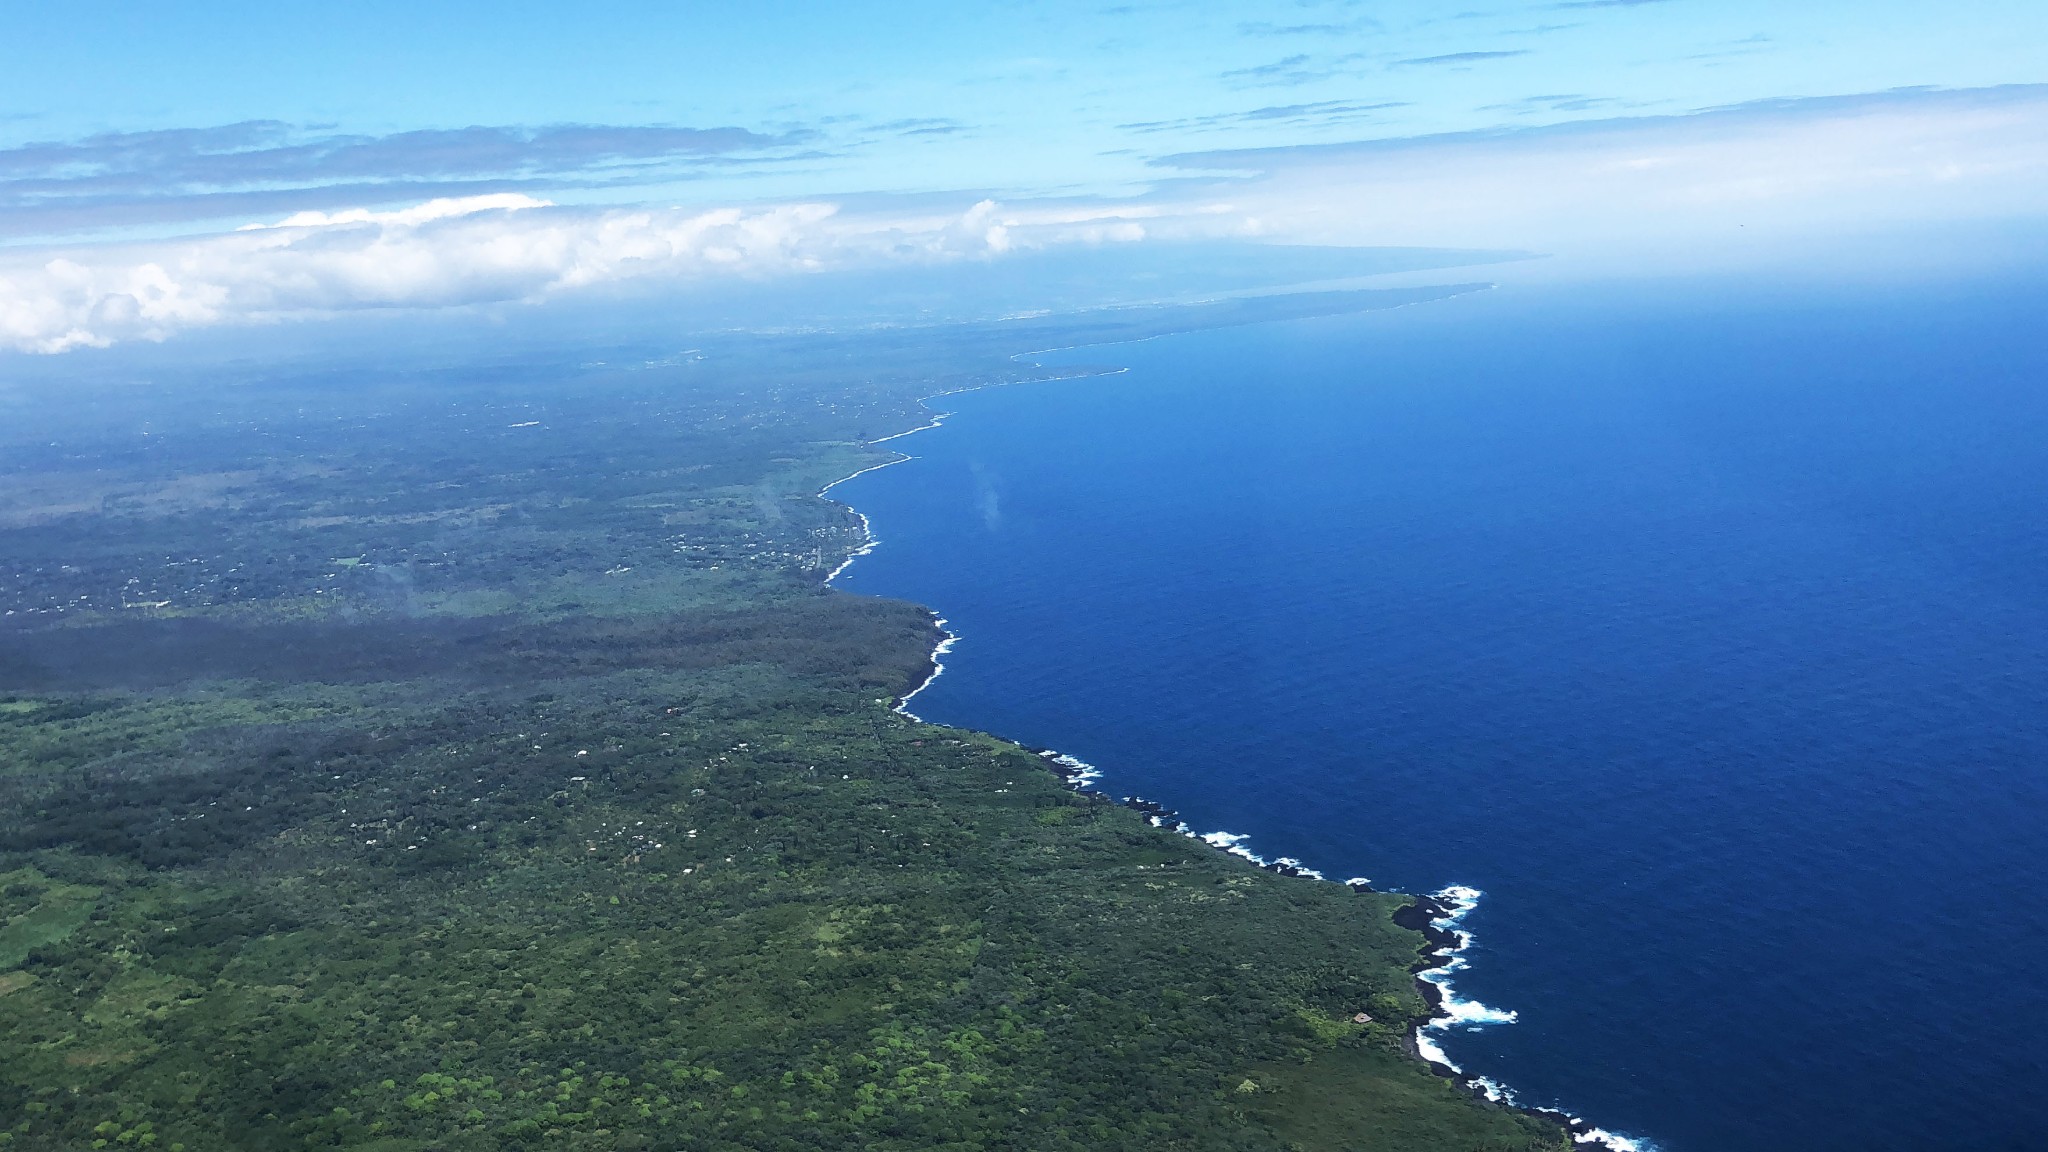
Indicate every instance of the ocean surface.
{"type": "Point", "coordinates": [1703, 628]}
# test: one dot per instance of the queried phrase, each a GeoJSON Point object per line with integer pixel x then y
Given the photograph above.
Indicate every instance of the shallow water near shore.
{"type": "Point", "coordinates": [1704, 630]}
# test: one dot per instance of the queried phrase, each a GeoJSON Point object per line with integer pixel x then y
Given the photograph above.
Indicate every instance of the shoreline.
{"type": "Point", "coordinates": [1435, 916]}
{"type": "Point", "coordinates": [1462, 290]}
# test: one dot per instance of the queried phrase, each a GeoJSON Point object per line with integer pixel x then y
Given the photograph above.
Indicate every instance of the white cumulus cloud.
{"type": "Point", "coordinates": [474, 250]}
{"type": "Point", "coordinates": [1625, 195]}
{"type": "Point", "coordinates": [439, 209]}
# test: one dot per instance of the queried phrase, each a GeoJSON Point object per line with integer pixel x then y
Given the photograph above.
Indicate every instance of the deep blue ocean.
{"type": "Point", "coordinates": [1704, 628]}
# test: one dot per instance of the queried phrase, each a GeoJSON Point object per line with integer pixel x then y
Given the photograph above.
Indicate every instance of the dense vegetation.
{"type": "Point", "coordinates": [377, 774]}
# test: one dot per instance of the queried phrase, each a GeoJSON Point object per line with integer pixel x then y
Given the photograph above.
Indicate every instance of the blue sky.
{"type": "Point", "coordinates": [131, 124]}
{"type": "Point", "coordinates": [1011, 98]}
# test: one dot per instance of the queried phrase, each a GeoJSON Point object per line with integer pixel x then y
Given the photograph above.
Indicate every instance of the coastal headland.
{"type": "Point", "coordinates": [504, 774]}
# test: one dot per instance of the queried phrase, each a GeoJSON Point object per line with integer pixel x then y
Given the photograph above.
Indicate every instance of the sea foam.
{"type": "Point", "coordinates": [1453, 1013]}
{"type": "Point", "coordinates": [1459, 1013]}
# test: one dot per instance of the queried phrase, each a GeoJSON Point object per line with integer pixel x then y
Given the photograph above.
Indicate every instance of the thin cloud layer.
{"type": "Point", "coordinates": [259, 165]}
{"type": "Point", "coordinates": [1643, 194]}
{"type": "Point", "coordinates": [1661, 189]}
{"type": "Point", "coordinates": [1323, 112]}
{"type": "Point", "coordinates": [1455, 58]}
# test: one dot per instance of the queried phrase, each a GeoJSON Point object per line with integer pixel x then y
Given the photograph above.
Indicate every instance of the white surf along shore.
{"type": "Point", "coordinates": [1454, 1013]}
